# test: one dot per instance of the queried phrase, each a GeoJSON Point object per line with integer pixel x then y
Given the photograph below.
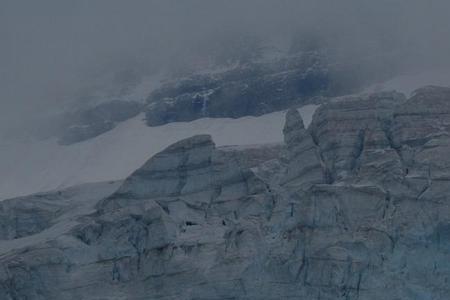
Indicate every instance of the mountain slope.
{"type": "Point", "coordinates": [36, 166]}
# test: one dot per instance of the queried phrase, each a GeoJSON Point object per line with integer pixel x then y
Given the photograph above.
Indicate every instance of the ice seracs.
{"type": "Point", "coordinates": [356, 207]}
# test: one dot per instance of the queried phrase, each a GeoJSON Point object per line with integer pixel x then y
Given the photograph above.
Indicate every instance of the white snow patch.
{"type": "Point", "coordinates": [28, 167]}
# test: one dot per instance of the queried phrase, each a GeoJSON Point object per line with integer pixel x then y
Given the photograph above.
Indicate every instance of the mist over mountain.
{"type": "Point", "coordinates": [59, 54]}
{"type": "Point", "coordinates": [224, 149]}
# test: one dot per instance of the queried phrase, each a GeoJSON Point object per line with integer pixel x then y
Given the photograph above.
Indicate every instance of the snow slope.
{"type": "Point", "coordinates": [30, 167]}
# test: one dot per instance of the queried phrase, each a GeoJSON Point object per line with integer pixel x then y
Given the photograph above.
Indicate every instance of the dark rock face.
{"type": "Point", "coordinates": [250, 90]}
{"type": "Point", "coordinates": [356, 208]}
{"type": "Point", "coordinates": [254, 89]}
{"type": "Point", "coordinates": [86, 124]}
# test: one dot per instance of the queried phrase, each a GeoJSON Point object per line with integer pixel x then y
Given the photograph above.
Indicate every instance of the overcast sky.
{"type": "Point", "coordinates": [49, 49]}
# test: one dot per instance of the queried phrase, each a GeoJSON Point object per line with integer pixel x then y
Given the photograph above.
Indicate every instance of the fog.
{"type": "Point", "coordinates": [50, 50]}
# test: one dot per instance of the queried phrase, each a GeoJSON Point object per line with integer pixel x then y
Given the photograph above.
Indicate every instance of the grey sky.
{"type": "Point", "coordinates": [51, 48]}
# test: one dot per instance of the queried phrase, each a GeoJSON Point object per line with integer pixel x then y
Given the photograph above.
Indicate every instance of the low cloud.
{"type": "Point", "coordinates": [52, 49]}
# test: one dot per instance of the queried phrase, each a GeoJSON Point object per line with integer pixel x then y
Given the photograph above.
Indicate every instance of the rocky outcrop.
{"type": "Point", "coordinates": [356, 207]}
{"type": "Point", "coordinates": [248, 90]}
{"type": "Point", "coordinates": [253, 88]}
{"type": "Point", "coordinates": [85, 124]}
{"type": "Point", "coordinates": [261, 87]}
